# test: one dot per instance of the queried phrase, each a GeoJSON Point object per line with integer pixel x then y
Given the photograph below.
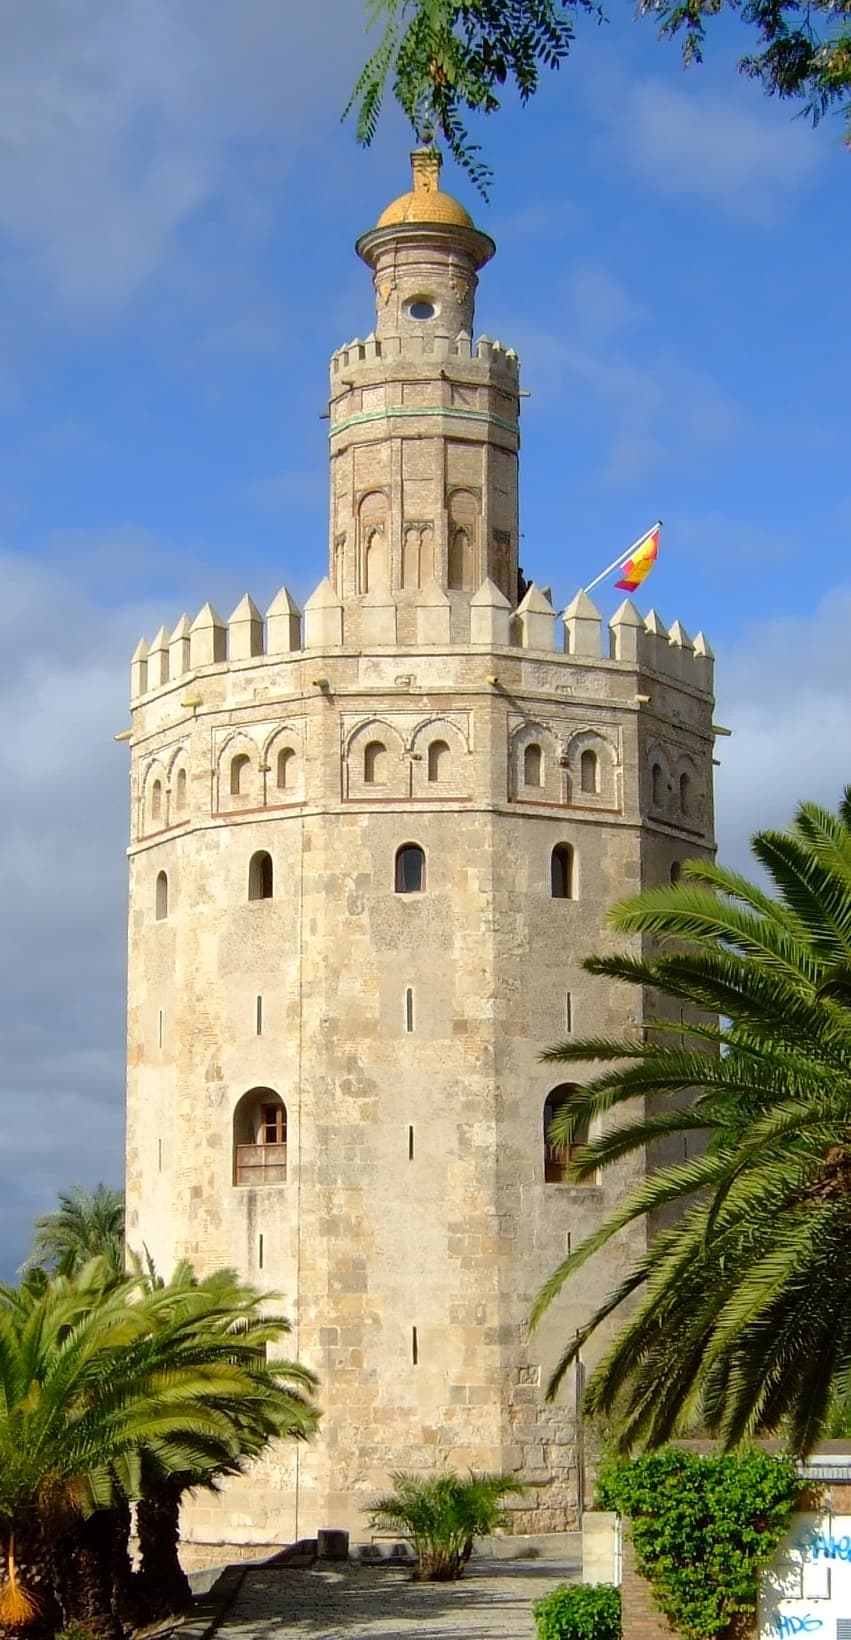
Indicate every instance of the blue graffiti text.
{"type": "Point", "coordinates": [807, 1623]}
{"type": "Point", "coordinates": [831, 1548]}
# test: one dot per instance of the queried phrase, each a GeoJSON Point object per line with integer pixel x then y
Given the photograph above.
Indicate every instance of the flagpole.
{"type": "Point", "coordinates": [623, 557]}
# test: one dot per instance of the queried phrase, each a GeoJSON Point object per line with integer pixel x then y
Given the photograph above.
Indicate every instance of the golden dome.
{"type": "Point", "coordinates": [425, 202]}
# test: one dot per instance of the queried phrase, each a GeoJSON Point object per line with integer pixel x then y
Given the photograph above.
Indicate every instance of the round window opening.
{"type": "Point", "coordinates": [421, 309]}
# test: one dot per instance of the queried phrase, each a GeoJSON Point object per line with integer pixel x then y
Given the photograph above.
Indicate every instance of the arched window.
{"type": "Point", "coordinates": [410, 869]}
{"type": "Point", "coordinates": [588, 779]}
{"type": "Point", "coordinates": [261, 876]}
{"type": "Point", "coordinates": [285, 768]}
{"type": "Point", "coordinates": [459, 578]}
{"type": "Point", "coordinates": [533, 766]}
{"type": "Point", "coordinates": [561, 872]}
{"type": "Point", "coordinates": [239, 773]}
{"type": "Point", "coordinates": [676, 871]}
{"type": "Point", "coordinates": [260, 1138]}
{"type": "Point", "coordinates": [375, 764]}
{"type": "Point", "coordinates": [180, 791]}
{"type": "Point", "coordinates": [438, 760]}
{"type": "Point", "coordinates": [685, 794]}
{"type": "Point", "coordinates": [157, 800]}
{"type": "Point", "coordinates": [161, 898]}
{"type": "Point", "coordinates": [657, 785]}
{"type": "Point", "coordinates": [557, 1158]}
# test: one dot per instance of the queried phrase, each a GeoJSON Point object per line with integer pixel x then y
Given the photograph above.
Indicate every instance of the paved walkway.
{"type": "Point", "coordinates": [493, 1601]}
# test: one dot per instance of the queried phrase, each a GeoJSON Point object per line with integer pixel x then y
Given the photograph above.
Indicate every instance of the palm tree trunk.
{"type": "Point", "coordinates": [165, 1586]}
{"type": "Point", "coordinates": [28, 1552]}
{"type": "Point", "coordinates": [128, 1602]}
{"type": "Point", "coordinates": [83, 1558]}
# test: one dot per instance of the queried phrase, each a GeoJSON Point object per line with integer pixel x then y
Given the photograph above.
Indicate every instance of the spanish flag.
{"type": "Point", "coordinates": [638, 567]}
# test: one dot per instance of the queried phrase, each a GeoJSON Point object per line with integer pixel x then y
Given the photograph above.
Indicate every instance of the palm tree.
{"type": "Point", "coordinates": [87, 1224]}
{"type": "Point", "coordinates": [102, 1381]}
{"type": "Point", "coordinates": [737, 1318]}
{"type": "Point", "coordinates": [441, 1515]}
{"type": "Point", "coordinates": [219, 1318]}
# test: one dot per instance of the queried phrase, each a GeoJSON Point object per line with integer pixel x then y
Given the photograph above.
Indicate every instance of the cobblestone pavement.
{"type": "Point", "coordinates": [493, 1601]}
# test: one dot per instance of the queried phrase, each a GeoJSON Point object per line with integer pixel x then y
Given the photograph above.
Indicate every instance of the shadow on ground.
{"type": "Point", "coordinates": [492, 1601]}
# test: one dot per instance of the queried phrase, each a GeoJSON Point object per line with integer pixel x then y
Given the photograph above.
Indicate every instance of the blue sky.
{"type": "Point", "coordinates": [178, 205]}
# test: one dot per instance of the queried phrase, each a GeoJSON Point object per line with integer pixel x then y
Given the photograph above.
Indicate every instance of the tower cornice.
{"type": "Point", "coordinates": [469, 243]}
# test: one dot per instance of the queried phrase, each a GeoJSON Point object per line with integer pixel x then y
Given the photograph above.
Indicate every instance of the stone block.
{"type": "Point", "coordinates": [323, 618]}
{"type": "Point", "coordinates": [490, 614]}
{"type": "Point", "coordinates": [583, 626]}
{"type": "Point", "coordinates": [536, 620]}
{"type": "Point", "coordinates": [433, 615]}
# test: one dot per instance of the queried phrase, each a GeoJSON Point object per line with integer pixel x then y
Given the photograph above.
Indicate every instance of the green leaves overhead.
{"type": "Point", "coordinates": [445, 60]}
{"type": "Point", "coordinates": [739, 1314]}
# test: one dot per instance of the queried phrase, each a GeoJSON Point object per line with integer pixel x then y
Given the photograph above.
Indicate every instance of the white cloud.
{"type": "Point", "coordinates": [656, 408]}
{"type": "Point", "coordinates": [785, 690]}
{"type": "Point", "coordinates": [62, 885]}
{"type": "Point", "coordinates": [694, 144]}
{"type": "Point", "coordinates": [119, 119]}
{"type": "Point", "coordinates": [603, 301]}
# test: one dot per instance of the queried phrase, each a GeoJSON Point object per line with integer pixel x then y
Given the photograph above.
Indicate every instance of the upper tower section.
{"type": "Point", "coordinates": [425, 254]}
{"type": "Point", "coordinates": [424, 420]}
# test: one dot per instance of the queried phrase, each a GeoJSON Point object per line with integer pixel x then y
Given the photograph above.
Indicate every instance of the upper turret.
{"type": "Point", "coordinates": [424, 434]}
{"type": "Point", "coordinates": [425, 254]}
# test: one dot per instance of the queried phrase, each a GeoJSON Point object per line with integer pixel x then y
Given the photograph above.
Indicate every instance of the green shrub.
{"type": "Point", "coordinates": [441, 1514]}
{"type": "Point", "coordinates": [579, 1611]}
{"type": "Point", "coordinates": [702, 1526]}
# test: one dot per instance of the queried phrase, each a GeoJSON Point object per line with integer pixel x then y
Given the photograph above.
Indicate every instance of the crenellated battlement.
{"type": "Point", "coordinates": [369, 350]}
{"type": "Point", "coordinates": [484, 622]}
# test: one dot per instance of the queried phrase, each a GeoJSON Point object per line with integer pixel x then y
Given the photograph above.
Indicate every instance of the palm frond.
{"type": "Point", "coordinates": [735, 1318]}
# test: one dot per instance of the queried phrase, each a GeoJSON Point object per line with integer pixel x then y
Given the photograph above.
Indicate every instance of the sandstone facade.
{"type": "Point", "coordinates": [371, 843]}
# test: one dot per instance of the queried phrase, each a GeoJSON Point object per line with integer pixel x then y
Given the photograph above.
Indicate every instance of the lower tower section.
{"type": "Point", "coordinates": [363, 878]}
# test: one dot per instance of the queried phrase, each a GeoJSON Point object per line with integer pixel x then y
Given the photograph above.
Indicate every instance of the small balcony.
{"type": "Point", "coordinates": [260, 1164]}
{"type": "Point", "coordinates": [557, 1159]}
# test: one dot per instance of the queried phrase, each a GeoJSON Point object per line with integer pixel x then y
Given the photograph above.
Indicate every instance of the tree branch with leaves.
{"type": "Point", "coordinates": [447, 61]}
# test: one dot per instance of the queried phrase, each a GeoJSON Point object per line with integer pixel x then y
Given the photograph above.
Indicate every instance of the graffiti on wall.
{"type": "Point", "coordinates": [807, 1586]}
{"type": "Point", "coordinates": [791, 1623]}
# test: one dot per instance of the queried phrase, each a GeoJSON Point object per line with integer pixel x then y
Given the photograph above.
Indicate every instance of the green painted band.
{"type": "Point", "coordinates": [450, 413]}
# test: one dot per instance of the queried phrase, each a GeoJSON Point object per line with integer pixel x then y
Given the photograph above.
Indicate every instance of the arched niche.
{"type": "Point", "coordinates": [462, 539]}
{"type": "Point", "coordinates": [376, 767]}
{"type": "Point", "coordinates": [373, 541]}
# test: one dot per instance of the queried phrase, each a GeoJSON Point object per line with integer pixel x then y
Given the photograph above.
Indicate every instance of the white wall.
{"type": "Point", "coordinates": [807, 1587]}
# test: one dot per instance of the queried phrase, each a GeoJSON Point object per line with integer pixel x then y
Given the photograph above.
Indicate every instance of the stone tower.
{"type": "Point", "coordinates": [370, 845]}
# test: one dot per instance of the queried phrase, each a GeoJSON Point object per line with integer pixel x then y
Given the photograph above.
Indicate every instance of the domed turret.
{"type": "Point", "coordinates": [425, 202]}
{"type": "Point", "coordinates": [425, 252]}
